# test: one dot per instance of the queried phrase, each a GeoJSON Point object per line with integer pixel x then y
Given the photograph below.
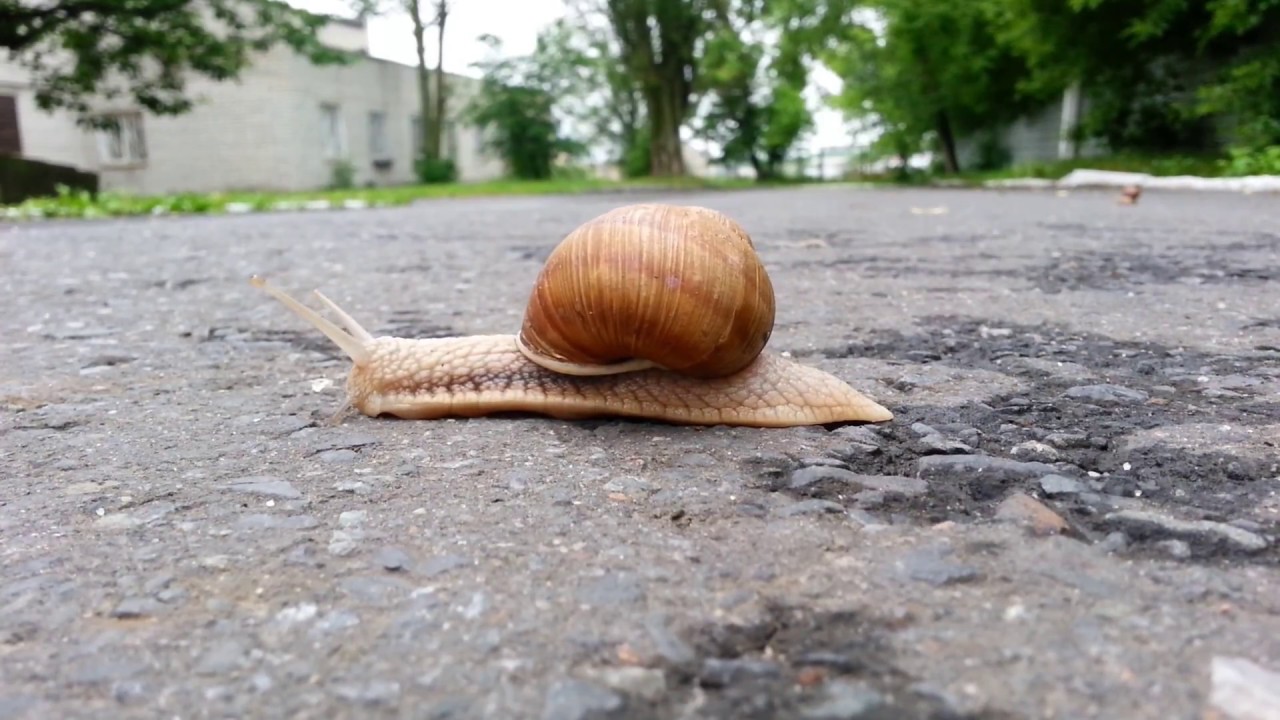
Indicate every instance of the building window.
{"type": "Point", "coordinates": [451, 143]}
{"type": "Point", "coordinates": [335, 132]}
{"type": "Point", "coordinates": [378, 149]}
{"type": "Point", "coordinates": [123, 143]}
{"type": "Point", "coordinates": [10, 136]}
{"type": "Point", "coordinates": [415, 135]}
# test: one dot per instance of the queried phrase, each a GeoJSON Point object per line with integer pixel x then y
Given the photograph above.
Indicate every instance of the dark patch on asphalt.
{"type": "Point", "coordinates": [1066, 425]}
{"type": "Point", "coordinates": [794, 661]}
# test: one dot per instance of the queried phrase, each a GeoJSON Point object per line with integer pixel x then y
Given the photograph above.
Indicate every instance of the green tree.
{"type": "Point", "coordinates": [83, 51]}
{"type": "Point", "coordinates": [1159, 74]}
{"type": "Point", "coordinates": [756, 107]}
{"type": "Point", "coordinates": [659, 44]}
{"type": "Point", "coordinates": [595, 93]}
{"type": "Point", "coordinates": [515, 108]}
{"type": "Point", "coordinates": [933, 69]}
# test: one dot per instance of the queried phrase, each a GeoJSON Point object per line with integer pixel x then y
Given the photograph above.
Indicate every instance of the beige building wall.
{"type": "Point", "coordinates": [286, 124]}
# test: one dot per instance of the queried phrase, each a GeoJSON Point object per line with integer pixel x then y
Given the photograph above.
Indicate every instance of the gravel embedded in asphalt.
{"type": "Point", "coordinates": [1074, 513]}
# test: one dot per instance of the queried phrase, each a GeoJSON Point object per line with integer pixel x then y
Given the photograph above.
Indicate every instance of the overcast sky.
{"type": "Point", "coordinates": [517, 23]}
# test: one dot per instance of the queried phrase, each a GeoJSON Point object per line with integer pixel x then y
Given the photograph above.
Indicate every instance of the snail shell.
{"type": "Point", "coordinates": [674, 287]}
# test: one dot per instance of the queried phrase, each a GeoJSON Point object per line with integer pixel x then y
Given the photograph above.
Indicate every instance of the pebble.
{"type": "Point", "coordinates": [370, 692]}
{"type": "Point", "coordinates": [996, 468]}
{"type": "Point", "coordinates": [1106, 394]}
{"type": "Point", "coordinates": [806, 477]}
{"type": "Point", "coordinates": [344, 542]}
{"type": "Point", "coordinates": [669, 646]}
{"type": "Point", "coordinates": [1053, 485]}
{"type": "Point", "coordinates": [220, 658]}
{"type": "Point", "coordinates": [1035, 450]}
{"type": "Point", "coordinates": [134, 607]}
{"type": "Point", "coordinates": [338, 456]}
{"type": "Point", "coordinates": [574, 699]}
{"type": "Point", "coordinates": [611, 589]}
{"type": "Point", "coordinates": [722, 672]}
{"type": "Point", "coordinates": [1243, 689]}
{"type": "Point", "coordinates": [1024, 510]}
{"type": "Point", "coordinates": [845, 700]}
{"type": "Point", "coordinates": [442, 564]}
{"type": "Point", "coordinates": [265, 485]}
{"type": "Point", "coordinates": [391, 558]}
{"type": "Point", "coordinates": [1200, 535]}
{"type": "Point", "coordinates": [643, 682]}
{"type": "Point", "coordinates": [814, 506]}
{"type": "Point", "coordinates": [930, 565]}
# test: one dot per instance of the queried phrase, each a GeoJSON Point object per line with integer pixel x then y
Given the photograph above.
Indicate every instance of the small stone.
{"type": "Point", "coordinates": [338, 456]}
{"type": "Point", "coordinates": [1243, 689]}
{"type": "Point", "coordinates": [352, 518]}
{"type": "Point", "coordinates": [627, 484]}
{"type": "Point", "coordinates": [931, 566]}
{"type": "Point", "coordinates": [814, 506]}
{"type": "Point", "coordinates": [1114, 542]}
{"type": "Point", "coordinates": [861, 434]}
{"type": "Point", "coordinates": [221, 657]}
{"type": "Point", "coordinates": [266, 485]}
{"type": "Point", "coordinates": [1067, 440]}
{"type": "Point", "coordinates": [845, 700]}
{"type": "Point", "coordinates": [575, 699]}
{"type": "Point", "coordinates": [720, 672]}
{"type": "Point", "coordinates": [612, 589]}
{"type": "Point", "coordinates": [371, 692]}
{"type": "Point", "coordinates": [133, 608]}
{"type": "Point", "coordinates": [215, 562]}
{"type": "Point", "coordinates": [391, 558]}
{"type": "Point", "coordinates": [647, 683]}
{"type": "Point", "coordinates": [670, 646]}
{"type": "Point", "coordinates": [1201, 535]}
{"type": "Point", "coordinates": [1053, 485]}
{"type": "Point", "coordinates": [442, 564]}
{"type": "Point", "coordinates": [1177, 549]}
{"type": "Point", "coordinates": [1035, 450]}
{"type": "Point", "coordinates": [996, 468]}
{"type": "Point", "coordinates": [344, 542]}
{"type": "Point", "coordinates": [1105, 394]}
{"type": "Point", "coordinates": [1024, 510]}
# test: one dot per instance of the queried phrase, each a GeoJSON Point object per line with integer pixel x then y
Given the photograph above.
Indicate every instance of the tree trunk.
{"type": "Point", "coordinates": [948, 142]}
{"type": "Point", "coordinates": [438, 120]}
{"type": "Point", "coordinates": [658, 40]}
{"type": "Point", "coordinates": [665, 156]}
{"type": "Point", "coordinates": [424, 78]}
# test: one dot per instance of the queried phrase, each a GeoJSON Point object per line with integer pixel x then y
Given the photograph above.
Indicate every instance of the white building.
{"type": "Point", "coordinates": [286, 124]}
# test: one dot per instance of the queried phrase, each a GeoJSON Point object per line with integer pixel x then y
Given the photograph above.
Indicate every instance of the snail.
{"type": "Point", "coordinates": [648, 311]}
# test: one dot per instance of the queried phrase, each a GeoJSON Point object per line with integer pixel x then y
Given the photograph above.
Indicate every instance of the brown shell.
{"type": "Point", "coordinates": [678, 286]}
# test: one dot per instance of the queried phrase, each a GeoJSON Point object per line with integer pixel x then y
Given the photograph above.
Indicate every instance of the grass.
{"type": "Point", "coordinates": [1159, 165]}
{"type": "Point", "coordinates": [79, 204]}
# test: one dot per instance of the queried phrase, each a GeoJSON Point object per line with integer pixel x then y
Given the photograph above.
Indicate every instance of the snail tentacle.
{"type": "Point", "coordinates": [354, 341]}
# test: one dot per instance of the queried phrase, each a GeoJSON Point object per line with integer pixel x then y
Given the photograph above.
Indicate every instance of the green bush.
{"type": "Point", "coordinates": [436, 170]}
{"type": "Point", "coordinates": [1260, 161]}
{"type": "Point", "coordinates": [343, 175]}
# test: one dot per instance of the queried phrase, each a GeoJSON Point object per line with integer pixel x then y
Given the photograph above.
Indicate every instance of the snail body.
{"type": "Point", "coordinates": [648, 311]}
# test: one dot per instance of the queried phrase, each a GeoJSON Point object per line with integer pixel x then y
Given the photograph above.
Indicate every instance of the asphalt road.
{"type": "Point", "coordinates": [1074, 514]}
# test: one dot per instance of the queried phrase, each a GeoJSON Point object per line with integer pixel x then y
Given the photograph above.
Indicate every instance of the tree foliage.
{"type": "Point", "coordinates": [660, 44]}
{"type": "Point", "coordinates": [928, 70]}
{"type": "Point", "coordinates": [83, 51]}
{"type": "Point", "coordinates": [516, 109]}
{"type": "Point", "coordinates": [753, 78]}
{"type": "Point", "coordinates": [596, 97]}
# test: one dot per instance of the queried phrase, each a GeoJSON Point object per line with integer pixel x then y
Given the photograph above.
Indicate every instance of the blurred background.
{"type": "Point", "coordinates": [246, 103]}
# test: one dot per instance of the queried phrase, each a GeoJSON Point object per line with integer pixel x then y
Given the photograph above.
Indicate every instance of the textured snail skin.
{"type": "Point", "coordinates": [487, 374]}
